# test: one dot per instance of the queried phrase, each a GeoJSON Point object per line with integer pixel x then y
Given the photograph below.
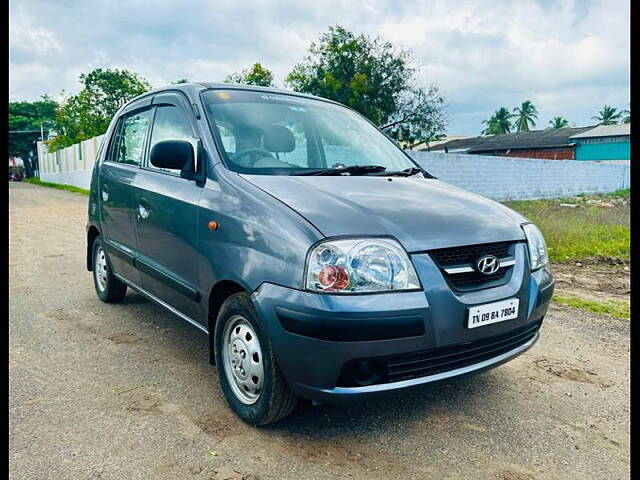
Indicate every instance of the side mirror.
{"type": "Point", "coordinates": [172, 154]}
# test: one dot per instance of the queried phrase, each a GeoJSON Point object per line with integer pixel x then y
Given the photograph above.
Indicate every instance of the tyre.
{"type": "Point", "coordinates": [108, 287]}
{"type": "Point", "coordinates": [249, 376]}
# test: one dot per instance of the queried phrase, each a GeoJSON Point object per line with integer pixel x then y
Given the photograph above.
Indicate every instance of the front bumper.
{"type": "Point", "coordinates": [317, 337]}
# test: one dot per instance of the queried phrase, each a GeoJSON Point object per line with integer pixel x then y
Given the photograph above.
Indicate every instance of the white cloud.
{"type": "Point", "coordinates": [566, 56]}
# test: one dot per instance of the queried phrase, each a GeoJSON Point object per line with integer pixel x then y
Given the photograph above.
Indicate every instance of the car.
{"type": "Point", "coordinates": [15, 176]}
{"type": "Point", "coordinates": [323, 262]}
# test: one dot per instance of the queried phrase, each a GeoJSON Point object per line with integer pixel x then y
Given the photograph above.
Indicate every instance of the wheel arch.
{"type": "Point", "coordinates": [92, 234]}
{"type": "Point", "coordinates": [218, 294]}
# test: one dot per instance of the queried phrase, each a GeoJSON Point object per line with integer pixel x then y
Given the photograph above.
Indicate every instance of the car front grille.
{"type": "Point", "coordinates": [471, 279]}
{"type": "Point", "coordinates": [460, 255]}
{"type": "Point", "coordinates": [408, 366]}
{"type": "Point", "coordinates": [464, 258]}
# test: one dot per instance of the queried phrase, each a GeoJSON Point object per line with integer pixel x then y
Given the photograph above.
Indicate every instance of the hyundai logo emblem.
{"type": "Point", "coordinates": [488, 264]}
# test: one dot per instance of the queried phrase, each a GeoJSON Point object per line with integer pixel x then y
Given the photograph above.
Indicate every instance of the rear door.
{"type": "Point", "coordinates": [117, 175]}
{"type": "Point", "coordinates": [166, 215]}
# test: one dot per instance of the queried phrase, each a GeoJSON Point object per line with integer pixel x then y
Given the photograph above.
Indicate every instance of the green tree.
{"type": "Point", "coordinates": [421, 118]}
{"type": "Point", "coordinates": [525, 114]}
{"type": "Point", "coordinates": [558, 122]}
{"type": "Point", "coordinates": [499, 123]}
{"type": "Point", "coordinates": [608, 115]}
{"type": "Point", "coordinates": [89, 112]}
{"type": "Point", "coordinates": [376, 79]}
{"type": "Point", "coordinates": [256, 75]}
{"type": "Point", "coordinates": [179, 81]}
{"type": "Point", "coordinates": [627, 115]}
{"type": "Point", "coordinates": [26, 119]}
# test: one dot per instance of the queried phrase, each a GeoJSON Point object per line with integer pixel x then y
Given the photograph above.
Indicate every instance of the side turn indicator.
{"type": "Point", "coordinates": [213, 225]}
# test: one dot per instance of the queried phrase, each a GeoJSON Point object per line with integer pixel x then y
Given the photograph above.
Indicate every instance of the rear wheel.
{"type": "Point", "coordinates": [108, 287]}
{"type": "Point", "coordinates": [249, 376]}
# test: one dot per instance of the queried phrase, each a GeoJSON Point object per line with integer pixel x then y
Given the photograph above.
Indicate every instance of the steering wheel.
{"type": "Point", "coordinates": [249, 151]}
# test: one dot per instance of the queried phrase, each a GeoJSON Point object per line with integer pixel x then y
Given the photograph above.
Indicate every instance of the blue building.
{"type": "Point", "coordinates": [606, 142]}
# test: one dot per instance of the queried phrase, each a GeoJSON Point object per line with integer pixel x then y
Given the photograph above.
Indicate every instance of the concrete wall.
{"type": "Point", "coordinates": [506, 178]}
{"type": "Point", "coordinates": [71, 165]}
{"type": "Point", "coordinates": [500, 178]}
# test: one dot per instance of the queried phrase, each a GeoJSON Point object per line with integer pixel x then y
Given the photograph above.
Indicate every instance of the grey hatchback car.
{"type": "Point", "coordinates": [321, 260]}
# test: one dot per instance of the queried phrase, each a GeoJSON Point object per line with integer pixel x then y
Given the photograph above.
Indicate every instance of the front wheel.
{"type": "Point", "coordinates": [249, 376]}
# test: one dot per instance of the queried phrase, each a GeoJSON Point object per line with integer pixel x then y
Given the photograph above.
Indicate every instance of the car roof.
{"type": "Point", "coordinates": [193, 88]}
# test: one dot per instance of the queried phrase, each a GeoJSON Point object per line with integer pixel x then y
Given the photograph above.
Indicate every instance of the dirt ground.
{"type": "Point", "coordinates": [599, 282]}
{"type": "Point", "coordinates": [102, 391]}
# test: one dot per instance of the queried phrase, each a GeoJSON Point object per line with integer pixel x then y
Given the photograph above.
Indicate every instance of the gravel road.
{"type": "Point", "coordinates": [102, 391]}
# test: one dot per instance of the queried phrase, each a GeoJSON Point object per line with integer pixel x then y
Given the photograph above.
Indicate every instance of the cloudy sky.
{"type": "Point", "coordinates": [568, 57]}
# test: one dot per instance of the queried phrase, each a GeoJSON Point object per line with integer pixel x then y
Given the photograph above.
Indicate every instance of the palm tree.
{"type": "Point", "coordinates": [627, 115]}
{"type": "Point", "coordinates": [559, 122]}
{"type": "Point", "coordinates": [499, 123]}
{"type": "Point", "coordinates": [608, 115]}
{"type": "Point", "coordinates": [525, 114]}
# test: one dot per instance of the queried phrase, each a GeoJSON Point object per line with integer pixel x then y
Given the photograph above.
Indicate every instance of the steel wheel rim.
{"type": "Point", "coordinates": [100, 269]}
{"type": "Point", "coordinates": [242, 358]}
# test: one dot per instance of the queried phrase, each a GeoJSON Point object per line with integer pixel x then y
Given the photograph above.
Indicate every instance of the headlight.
{"type": "Point", "coordinates": [537, 247]}
{"type": "Point", "coordinates": [359, 266]}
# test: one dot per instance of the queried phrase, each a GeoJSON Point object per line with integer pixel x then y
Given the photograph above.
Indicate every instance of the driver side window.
{"type": "Point", "coordinates": [170, 123]}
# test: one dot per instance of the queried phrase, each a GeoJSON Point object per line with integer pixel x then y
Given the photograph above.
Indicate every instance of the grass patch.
{"type": "Point", "coordinates": [615, 308]}
{"type": "Point", "coordinates": [598, 227]}
{"type": "Point", "coordinates": [58, 186]}
{"type": "Point", "coordinates": [623, 193]}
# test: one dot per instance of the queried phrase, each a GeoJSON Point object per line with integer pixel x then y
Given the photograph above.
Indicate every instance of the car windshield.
{"type": "Point", "coordinates": [277, 134]}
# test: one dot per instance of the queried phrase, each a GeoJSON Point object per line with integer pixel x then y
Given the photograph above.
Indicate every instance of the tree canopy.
{"type": "Point", "coordinates": [558, 122]}
{"type": "Point", "coordinates": [373, 77]}
{"type": "Point", "coordinates": [499, 123]}
{"type": "Point", "coordinates": [608, 115]}
{"type": "Point", "coordinates": [256, 75]}
{"type": "Point", "coordinates": [627, 115]}
{"type": "Point", "coordinates": [89, 112]}
{"type": "Point", "coordinates": [526, 114]}
{"type": "Point", "coordinates": [25, 122]}
{"type": "Point", "coordinates": [421, 118]}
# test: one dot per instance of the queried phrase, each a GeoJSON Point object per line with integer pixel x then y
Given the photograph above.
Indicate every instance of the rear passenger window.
{"type": "Point", "coordinates": [130, 144]}
{"type": "Point", "coordinates": [170, 123]}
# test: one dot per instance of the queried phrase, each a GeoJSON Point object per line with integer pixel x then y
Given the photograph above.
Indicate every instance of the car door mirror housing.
{"type": "Point", "coordinates": [173, 154]}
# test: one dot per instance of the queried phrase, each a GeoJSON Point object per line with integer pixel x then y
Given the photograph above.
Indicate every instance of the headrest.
{"type": "Point", "coordinates": [278, 139]}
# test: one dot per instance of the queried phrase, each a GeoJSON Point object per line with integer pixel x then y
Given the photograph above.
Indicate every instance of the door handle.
{"type": "Point", "coordinates": [143, 210]}
{"type": "Point", "coordinates": [105, 193]}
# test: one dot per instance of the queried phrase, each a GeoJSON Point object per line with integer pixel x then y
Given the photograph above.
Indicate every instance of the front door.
{"type": "Point", "coordinates": [166, 216]}
{"type": "Point", "coordinates": [117, 174]}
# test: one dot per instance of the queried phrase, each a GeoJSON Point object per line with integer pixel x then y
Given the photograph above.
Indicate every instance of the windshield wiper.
{"type": "Point", "coordinates": [353, 170]}
{"type": "Point", "coordinates": [407, 172]}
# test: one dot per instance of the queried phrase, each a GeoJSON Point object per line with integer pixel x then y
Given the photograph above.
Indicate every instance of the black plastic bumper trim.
{"type": "Point", "coordinates": [340, 328]}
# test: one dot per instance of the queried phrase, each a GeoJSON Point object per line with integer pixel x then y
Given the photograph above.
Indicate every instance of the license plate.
{"type": "Point", "coordinates": [493, 312]}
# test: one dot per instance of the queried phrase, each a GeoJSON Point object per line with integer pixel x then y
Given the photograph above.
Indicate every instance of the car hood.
{"type": "Point", "coordinates": [423, 214]}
